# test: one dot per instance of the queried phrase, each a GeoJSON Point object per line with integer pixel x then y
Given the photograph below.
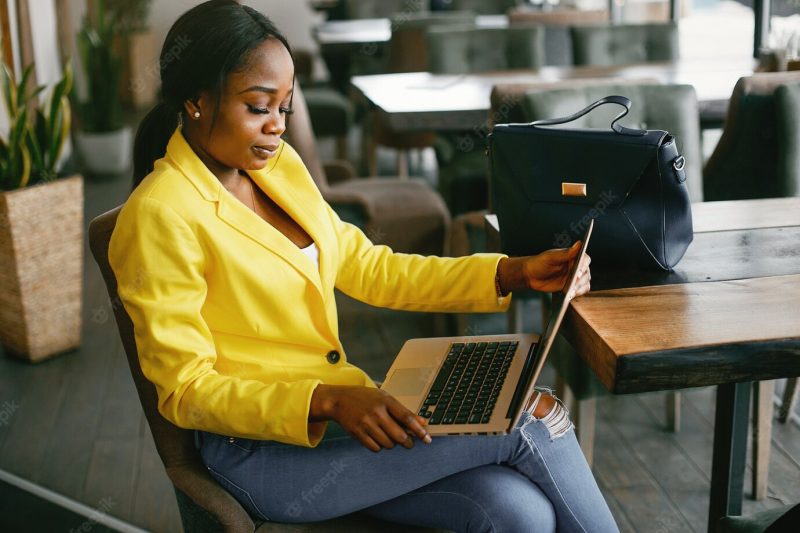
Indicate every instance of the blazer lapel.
{"type": "Point", "coordinates": [242, 218]}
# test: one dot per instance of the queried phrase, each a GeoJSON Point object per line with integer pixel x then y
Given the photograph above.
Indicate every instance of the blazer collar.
{"type": "Point", "coordinates": [228, 208]}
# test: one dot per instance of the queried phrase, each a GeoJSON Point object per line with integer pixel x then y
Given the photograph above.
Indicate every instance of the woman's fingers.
{"type": "Point", "coordinates": [411, 421]}
{"type": "Point", "coordinates": [367, 441]}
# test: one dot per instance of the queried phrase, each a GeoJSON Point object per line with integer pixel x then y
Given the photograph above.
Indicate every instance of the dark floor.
{"type": "Point", "coordinates": [74, 425]}
{"type": "Point", "coordinates": [22, 511]}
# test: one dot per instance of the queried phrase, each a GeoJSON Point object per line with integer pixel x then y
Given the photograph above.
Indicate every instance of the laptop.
{"type": "Point", "coordinates": [476, 385]}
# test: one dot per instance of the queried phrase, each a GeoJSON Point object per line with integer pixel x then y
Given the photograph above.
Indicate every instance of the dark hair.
{"type": "Point", "coordinates": [204, 46]}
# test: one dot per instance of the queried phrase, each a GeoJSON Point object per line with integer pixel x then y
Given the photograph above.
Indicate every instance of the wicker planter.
{"type": "Point", "coordinates": [41, 268]}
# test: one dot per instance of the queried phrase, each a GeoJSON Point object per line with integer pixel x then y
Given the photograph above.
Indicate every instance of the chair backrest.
{"type": "Point", "coordinates": [203, 504]}
{"type": "Point", "coordinates": [370, 9]}
{"type": "Point", "coordinates": [300, 134]}
{"type": "Point", "coordinates": [460, 50]}
{"type": "Point", "coordinates": [484, 7]}
{"type": "Point", "coordinates": [664, 107]}
{"type": "Point", "coordinates": [175, 445]}
{"type": "Point", "coordinates": [606, 45]}
{"type": "Point", "coordinates": [758, 153]}
{"type": "Point", "coordinates": [557, 38]}
{"type": "Point", "coordinates": [507, 98]}
{"type": "Point", "coordinates": [408, 48]}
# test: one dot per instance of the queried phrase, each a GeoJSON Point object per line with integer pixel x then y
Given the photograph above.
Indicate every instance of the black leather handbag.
{"type": "Point", "coordinates": [547, 183]}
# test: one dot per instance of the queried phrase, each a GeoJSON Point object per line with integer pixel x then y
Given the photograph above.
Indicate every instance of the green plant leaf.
{"type": "Point", "coordinates": [9, 91]}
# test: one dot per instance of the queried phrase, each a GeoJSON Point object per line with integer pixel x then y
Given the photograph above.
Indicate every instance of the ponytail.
{"type": "Point", "coordinates": [151, 140]}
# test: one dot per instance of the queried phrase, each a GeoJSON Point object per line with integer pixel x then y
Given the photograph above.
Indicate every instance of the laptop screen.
{"type": "Point", "coordinates": [535, 363]}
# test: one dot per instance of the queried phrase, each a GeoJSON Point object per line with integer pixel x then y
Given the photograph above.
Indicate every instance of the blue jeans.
{"type": "Point", "coordinates": [526, 481]}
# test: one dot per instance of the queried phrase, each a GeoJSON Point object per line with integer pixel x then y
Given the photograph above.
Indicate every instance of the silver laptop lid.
{"type": "Point", "coordinates": [548, 337]}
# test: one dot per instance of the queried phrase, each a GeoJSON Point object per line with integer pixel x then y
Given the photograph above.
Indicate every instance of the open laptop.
{"type": "Point", "coordinates": [476, 384]}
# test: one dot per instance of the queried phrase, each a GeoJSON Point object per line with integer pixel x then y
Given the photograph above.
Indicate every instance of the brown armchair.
{"type": "Point", "coordinates": [204, 505]}
{"type": "Point", "coordinates": [407, 215]}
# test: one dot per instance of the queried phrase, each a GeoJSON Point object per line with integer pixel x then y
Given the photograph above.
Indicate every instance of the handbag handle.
{"type": "Point", "coordinates": [621, 100]}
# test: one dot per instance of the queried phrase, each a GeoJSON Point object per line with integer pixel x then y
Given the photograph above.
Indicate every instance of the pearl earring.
{"type": "Point", "coordinates": [196, 114]}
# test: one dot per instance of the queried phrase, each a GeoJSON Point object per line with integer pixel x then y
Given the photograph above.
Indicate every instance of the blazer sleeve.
{"type": "Point", "coordinates": [159, 265]}
{"type": "Point", "coordinates": [376, 275]}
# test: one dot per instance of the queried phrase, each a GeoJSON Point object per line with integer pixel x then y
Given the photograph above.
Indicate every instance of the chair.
{"type": "Point", "coordinates": [203, 504]}
{"type": "Point", "coordinates": [668, 107]}
{"type": "Point", "coordinates": [758, 154]}
{"type": "Point", "coordinates": [622, 44]}
{"type": "Point", "coordinates": [371, 9]}
{"type": "Point", "coordinates": [331, 112]}
{"type": "Point", "coordinates": [463, 50]}
{"type": "Point", "coordinates": [408, 47]}
{"type": "Point", "coordinates": [407, 215]}
{"type": "Point", "coordinates": [466, 50]}
{"type": "Point", "coordinates": [408, 52]}
{"type": "Point", "coordinates": [557, 40]}
{"type": "Point", "coordinates": [483, 7]}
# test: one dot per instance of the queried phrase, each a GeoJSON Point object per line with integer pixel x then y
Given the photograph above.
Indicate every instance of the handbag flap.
{"type": "Point", "coordinates": [539, 159]}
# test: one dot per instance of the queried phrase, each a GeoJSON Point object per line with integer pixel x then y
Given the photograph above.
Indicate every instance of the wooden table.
{"type": "Point", "coordinates": [421, 101]}
{"type": "Point", "coordinates": [728, 315]}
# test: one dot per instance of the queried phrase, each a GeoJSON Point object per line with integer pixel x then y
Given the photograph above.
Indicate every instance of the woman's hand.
{"type": "Point", "coordinates": [372, 416]}
{"type": "Point", "coordinates": [546, 272]}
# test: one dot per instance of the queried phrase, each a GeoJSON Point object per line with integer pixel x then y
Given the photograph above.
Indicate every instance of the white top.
{"type": "Point", "coordinates": [312, 252]}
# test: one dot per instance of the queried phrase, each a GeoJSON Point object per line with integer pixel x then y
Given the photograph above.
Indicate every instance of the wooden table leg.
{"type": "Point", "coordinates": [730, 450]}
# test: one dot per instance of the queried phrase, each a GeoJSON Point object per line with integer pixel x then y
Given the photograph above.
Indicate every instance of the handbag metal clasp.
{"type": "Point", "coordinates": [573, 189]}
{"type": "Point", "coordinates": [679, 163]}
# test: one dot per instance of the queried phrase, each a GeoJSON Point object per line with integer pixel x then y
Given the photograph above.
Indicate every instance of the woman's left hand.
{"type": "Point", "coordinates": [546, 272]}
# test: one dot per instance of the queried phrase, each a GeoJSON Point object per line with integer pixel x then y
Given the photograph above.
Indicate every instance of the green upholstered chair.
{"type": "Point", "coordinates": [606, 45]}
{"type": "Point", "coordinates": [758, 154]}
{"type": "Point", "coordinates": [667, 107]}
{"type": "Point", "coordinates": [408, 47]}
{"type": "Point", "coordinates": [484, 7]}
{"type": "Point", "coordinates": [463, 50]}
{"type": "Point", "coordinates": [331, 112]}
{"type": "Point", "coordinates": [557, 23]}
{"type": "Point", "coordinates": [408, 52]}
{"type": "Point", "coordinates": [469, 49]}
{"type": "Point", "coordinates": [777, 520]}
{"type": "Point", "coordinates": [370, 9]}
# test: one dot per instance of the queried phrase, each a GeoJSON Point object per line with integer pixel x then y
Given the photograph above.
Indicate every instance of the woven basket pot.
{"type": "Point", "coordinates": [41, 268]}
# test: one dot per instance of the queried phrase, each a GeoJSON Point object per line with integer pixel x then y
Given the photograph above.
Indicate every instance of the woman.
{"type": "Point", "coordinates": [226, 258]}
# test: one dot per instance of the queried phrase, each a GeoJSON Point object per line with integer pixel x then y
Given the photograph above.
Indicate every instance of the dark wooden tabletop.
{"type": "Point", "coordinates": [729, 312]}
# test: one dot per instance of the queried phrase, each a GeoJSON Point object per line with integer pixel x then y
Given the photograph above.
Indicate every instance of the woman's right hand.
{"type": "Point", "coordinates": [372, 416]}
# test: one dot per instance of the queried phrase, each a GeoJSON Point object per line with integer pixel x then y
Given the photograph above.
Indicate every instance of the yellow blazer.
{"type": "Point", "coordinates": [233, 323]}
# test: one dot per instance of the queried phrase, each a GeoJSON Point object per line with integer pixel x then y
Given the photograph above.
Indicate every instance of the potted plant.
{"type": "Point", "coordinates": [41, 223]}
{"type": "Point", "coordinates": [139, 53]}
{"type": "Point", "coordinates": [103, 139]}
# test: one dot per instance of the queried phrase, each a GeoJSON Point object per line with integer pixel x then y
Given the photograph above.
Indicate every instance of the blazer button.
{"type": "Point", "coordinates": [333, 357]}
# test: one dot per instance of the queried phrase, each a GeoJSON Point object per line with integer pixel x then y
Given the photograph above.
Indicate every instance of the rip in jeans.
{"type": "Point", "coordinates": [556, 421]}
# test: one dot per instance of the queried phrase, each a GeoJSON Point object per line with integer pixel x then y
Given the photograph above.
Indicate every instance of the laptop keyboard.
{"type": "Point", "coordinates": [468, 384]}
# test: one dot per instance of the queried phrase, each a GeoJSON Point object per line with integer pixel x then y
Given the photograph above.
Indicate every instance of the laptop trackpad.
{"type": "Point", "coordinates": [409, 381]}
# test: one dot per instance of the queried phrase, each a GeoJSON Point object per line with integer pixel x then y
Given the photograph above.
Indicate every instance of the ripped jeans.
{"type": "Point", "coordinates": [535, 479]}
